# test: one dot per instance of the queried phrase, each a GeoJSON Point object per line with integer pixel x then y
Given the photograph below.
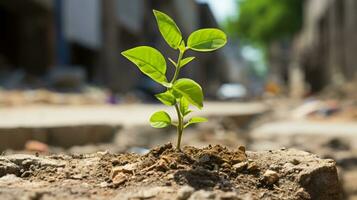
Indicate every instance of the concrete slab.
{"type": "Point", "coordinates": [77, 125]}
{"type": "Point", "coordinates": [124, 115]}
{"type": "Point", "coordinates": [307, 127]}
{"type": "Point", "coordinates": [308, 135]}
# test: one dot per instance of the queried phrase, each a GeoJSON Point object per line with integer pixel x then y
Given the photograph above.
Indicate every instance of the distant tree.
{"type": "Point", "coordinates": [263, 21]}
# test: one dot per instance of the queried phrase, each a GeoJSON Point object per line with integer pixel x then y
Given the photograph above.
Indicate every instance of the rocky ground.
{"type": "Point", "coordinates": [326, 127]}
{"type": "Point", "coordinates": [213, 172]}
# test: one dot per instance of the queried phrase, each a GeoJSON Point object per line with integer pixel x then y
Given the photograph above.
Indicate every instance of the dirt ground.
{"type": "Point", "coordinates": [213, 172]}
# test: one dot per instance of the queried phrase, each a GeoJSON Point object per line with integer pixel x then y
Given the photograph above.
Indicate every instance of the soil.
{"type": "Point", "coordinates": [213, 172]}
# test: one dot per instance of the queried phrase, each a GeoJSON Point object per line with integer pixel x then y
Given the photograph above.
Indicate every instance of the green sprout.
{"type": "Point", "coordinates": [183, 92]}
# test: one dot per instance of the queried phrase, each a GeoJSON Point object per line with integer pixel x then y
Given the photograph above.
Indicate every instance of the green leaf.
{"type": "Point", "coordinates": [168, 29]}
{"type": "Point", "coordinates": [208, 39]}
{"type": "Point", "coordinates": [166, 98]}
{"type": "Point", "coordinates": [185, 61]}
{"type": "Point", "coordinates": [195, 120]}
{"type": "Point", "coordinates": [191, 90]}
{"type": "Point", "coordinates": [150, 61]}
{"type": "Point", "coordinates": [160, 119]}
{"type": "Point", "coordinates": [184, 106]}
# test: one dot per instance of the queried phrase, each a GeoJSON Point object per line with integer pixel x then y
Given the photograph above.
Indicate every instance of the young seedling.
{"type": "Point", "coordinates": [183, 92]}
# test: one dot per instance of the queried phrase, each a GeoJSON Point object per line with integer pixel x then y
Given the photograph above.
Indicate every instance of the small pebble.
{"type": "Point", "coordinates": [184, 192]}
{"type": "Point", "coordinates": [295, 161]}
{"type": "Point", "coordinates": [119, 179]}
{"type": "Point", "coordinates": [226, 165]}
{"type": "Point", "coordinates": [242, 148]}
{"type": "Point", "coordinates": [51, 180]}
{"type": "Point", "coordinates": [240, 166]}
{"type": "Point", "coordinates": [103, 184]}
{"type": "Point", "coordinates": [26, 174]}
{"type": "Point", "coordinates": [270, 177]}
{"type": "Point", "coordinates": [170, 176]}
{"type": "Point", "coordinates": [252, 167]}
{"type": "Point", "coordinates": [115, 162]}
{"type": "Point", "coordinates": [302, 194]}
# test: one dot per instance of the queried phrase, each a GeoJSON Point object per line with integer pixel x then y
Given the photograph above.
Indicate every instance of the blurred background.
{"type": "Point", "coordinates": [66, 46]}
{"type": "Point", "coordinates": [296, 47]}
{"type": "Point", "coordinates": [286, 78]}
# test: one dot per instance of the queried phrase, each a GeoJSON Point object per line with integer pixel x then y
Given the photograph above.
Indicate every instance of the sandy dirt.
{"type": "Point", "coordinates": [213, 172]}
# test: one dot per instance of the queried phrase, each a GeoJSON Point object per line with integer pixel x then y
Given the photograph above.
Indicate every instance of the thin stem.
{"type": "Point", "coordinates": [177, 105]}
{"type": "Point", "coordinates": [179, 126]}
{"type": "Point", "coordinates": [177, 71]}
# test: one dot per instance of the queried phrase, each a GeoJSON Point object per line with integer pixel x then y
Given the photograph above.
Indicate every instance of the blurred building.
{"type": "Point", "coordinates": [325, 50]}
{"type": "Point", "coordinates": [38, 36]}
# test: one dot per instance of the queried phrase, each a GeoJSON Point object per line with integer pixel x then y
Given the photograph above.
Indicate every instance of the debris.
{"type": "Point", "coordinates": [162, 165]}
{"type": "Point", "coordinates": [26, 174]}
{"type": "Point", "coordinates": [240, 166]}
{"type": "Point", "coordinates": [185, 192]}
{"type": "Point", "coordinates": [302, 194]}
{"type": "Point", "coordinates": [252, 167]}
{"type": "Point", "coordinates": [77, 176]}
{"type": "Point", "coordinates": [241, 148]}
{"type": "Point", "coordinates": [128, 168]}
{"type": "Point", "coordinates": [119, 179]}
{"type": "Point", "coordinates": [295, 161]}
{"type": "Point", "coordinates": [7, 167]}
{"type": "Point", "coordinates": [270, 177]}
{"type": "Point", "coordinates": [24, 159]}
{"type": "Point", "coordinates": [103, 184]}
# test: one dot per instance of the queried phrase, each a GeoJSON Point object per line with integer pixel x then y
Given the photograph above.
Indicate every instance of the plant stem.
{"type": "Point", "coordinates": [179, 127]}
{"type": "Point", "coordinates": [177, 71]}
{"type": "Point", "coordinates": [177, 105]}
